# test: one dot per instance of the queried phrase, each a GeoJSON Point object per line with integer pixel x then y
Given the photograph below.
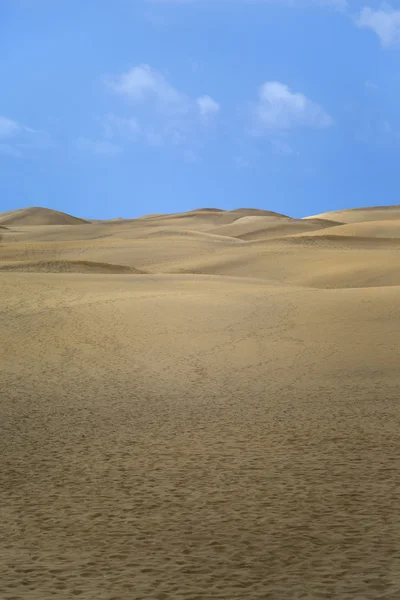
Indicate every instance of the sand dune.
{"type": "Point", "coordinates": [368, 229]}
{"type": "Point", "coordinates": [264, 228]}
{"type": "Point", "coordinates": [207, 210]}
{"type": "Point", "coordinates": [156, 253]}
{"type": "Point", "coordinates": [255, 212]}
{"type": "Point", "coordinates": [205, 219]}
{"type": "Point", "coordinates": [306, 263]}
{"type": "Point", "coordinates": [169, 232]}
{"type": "Point", "coordinates": [323, 254]}
{"type": "Point", "coordinates": [357, 215]}
{"type": "Point", "coordinates": [38, 216]}
{"type": "Point", "coordinates": [191, 412]}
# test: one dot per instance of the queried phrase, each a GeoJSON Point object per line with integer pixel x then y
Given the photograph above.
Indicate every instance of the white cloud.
{"type": "Point", "coordinates": [163, 115]}
{"type": "Point", "coordinates": [207, 106]}
{"type": "Point", "coordinates": [100, 147]}
{"type": "Point", "coordinates": [17, 140]}
{"type": "Point", "coordinates": [385, 22]}
{"type": "Point", "coordinates": [278, 108]}
{"type": "Point", "coordinates": [143, 83]}
{"type": "Point", "coordinates": [9, 128]}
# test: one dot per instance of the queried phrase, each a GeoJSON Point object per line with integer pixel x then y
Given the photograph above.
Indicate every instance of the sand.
{"type": "Point", "coordinates": [358, 215]}
{"type": "Point", "coordinates": [192, 415]}
{"type": "Point", "coordinates": [35, 215]}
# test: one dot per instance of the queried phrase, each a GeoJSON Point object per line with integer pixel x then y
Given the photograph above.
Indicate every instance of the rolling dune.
{"type": "Point", "coordinates": [358, 215]}
{"type": "Point", "coordinates": [387, 229]}
{"type": "Point", "coordinates": [35, 215]}
{"type": "Point", "coordinates": [264, 228]}
{"type": "Point", "coordinates": [200, 406]}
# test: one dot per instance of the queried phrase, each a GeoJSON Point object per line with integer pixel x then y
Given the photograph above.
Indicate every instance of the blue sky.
{"type": "Point", "coordinates": [115, 108]}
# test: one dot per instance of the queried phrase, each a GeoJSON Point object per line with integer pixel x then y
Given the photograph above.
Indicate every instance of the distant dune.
{"type": "Point", "coordinates": [256, 212]}
{"type": "Point", "coordinates": [198, 210]}
{"type": "Point", "coordinates": [357, 215]}
{"type": "Point", "coordinates": [206, 219]}
{"type": "Point", "coordinates": [367, 229]}
{"type": "Point", "coordinates": [264, 228]}
{"type": "Point", "coordinates": [314, 252]}
{"type": "Point", "coordinates": [38, 216]}
{"type": "Point", "coordinates": [202, 405]}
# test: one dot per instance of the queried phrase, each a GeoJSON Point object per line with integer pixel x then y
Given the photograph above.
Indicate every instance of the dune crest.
{"type": "Point", "coordinates": [36, 215]}
{"type": "Point", "coordinates": [313, 252]}
{"type": "Point", "coordinates": [358, 215]}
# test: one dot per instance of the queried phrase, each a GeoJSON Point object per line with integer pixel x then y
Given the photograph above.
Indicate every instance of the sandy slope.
{"type": "Point", "coordinates": [230, 435]}
{"type": "Point", "coordinates": [66, 266]}
{"type": "Point", "coordinates": [264, 228]}
{"type": "Point", "coordinates": [35, 215]}
{"type": "Point", "coordinates": [357, 215]}
{"type": "Point", "coordinates": [366, 229]}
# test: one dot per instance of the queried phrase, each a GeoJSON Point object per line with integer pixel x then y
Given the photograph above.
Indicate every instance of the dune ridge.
{"type": "Point", "coordinates": [36, 215]}
{"type": "Point", "coordinates": [361, 214]}
{"type": "Point", "coordinates": [314, 252]}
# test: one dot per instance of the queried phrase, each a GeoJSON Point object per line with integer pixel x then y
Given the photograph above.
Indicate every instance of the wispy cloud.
{"type": "Point", "coordinates": [161, 114]}
{"type": "Point", "coordinates": [143, 84]}
{"type": "Point", "coordinates": [207, 106]}
{"type": "Point", "coordinates": [385, 22]}
{"type": "Point", "coordinates": [9, 128]}
{"type": "Point", "coordinates": [280, 109]}
{"type": "Point", "coordinates": [18, 140]}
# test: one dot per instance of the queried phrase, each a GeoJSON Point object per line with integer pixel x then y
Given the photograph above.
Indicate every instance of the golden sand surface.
{"type": "Point", "coordinates": [200, 406]}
